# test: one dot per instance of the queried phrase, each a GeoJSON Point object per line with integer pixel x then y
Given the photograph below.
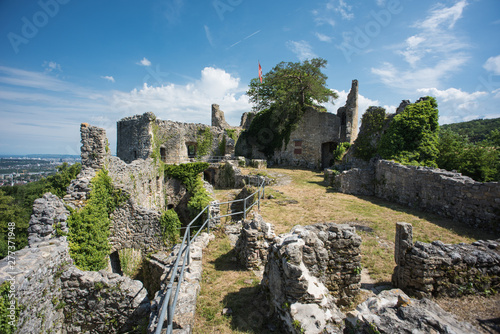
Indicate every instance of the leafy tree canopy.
{"type": "Point", "coordinates": [281, 99]}
{"type": "Point", "coordinates": [412, 136]}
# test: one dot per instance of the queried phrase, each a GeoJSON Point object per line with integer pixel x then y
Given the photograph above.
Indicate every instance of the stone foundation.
{"type": "Point", "coordinates": [253, 243]}
{"type": "Point", "coordinates": [437, 269]}
{"type": "Point", "coordinates": [447, 194]}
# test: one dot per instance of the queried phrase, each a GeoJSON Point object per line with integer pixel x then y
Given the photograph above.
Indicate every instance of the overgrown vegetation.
{"type": "Point", "coordinates": [89, 227]}
{"type": "Point", "coordinates": [130, 262]}
{"type": "Point", "coordinates": [8, 325]}
{"type": "Point", "coordinates": [281, 100]}
{"type": "Point", "coordinates": [412, 136]}
{"type": "Point", "coordinates": [170, 226]}
{"type": "Point", "coordinates": [204, 138]}
{"type": "Point", "coordinates": [189, 175]}
{"type": "Point", "coordinates": [372, 123]}
{"type": "Point", "coordinates": [340, 151]}
{"type": "Point", "coordinates": [16, 203]}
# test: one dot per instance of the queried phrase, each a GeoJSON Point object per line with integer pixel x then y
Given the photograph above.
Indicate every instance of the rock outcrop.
{"type": "Point", "coordinates": [392, 311]}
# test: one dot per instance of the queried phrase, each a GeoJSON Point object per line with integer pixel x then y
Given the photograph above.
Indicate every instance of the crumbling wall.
{"type": "Point", "coordinates": [309, 272]}
{"type": "Point", "coordinates": [95, 148]}
{"type": "Point", "coordinates": [445, 193]}
{"type": "Point", "coordinates": [134, 136]}
{"type": "Point", "coordinates": [435, 269]}
{"type": "Point", "coordinates": [253, 243]}
{"type": "Point", "coordinates": [48, 219]}
{"type": "Point", "coordinates": [348, 115]}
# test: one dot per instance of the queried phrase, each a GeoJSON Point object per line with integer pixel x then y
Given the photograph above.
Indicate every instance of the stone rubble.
{"type": "Point", "coordinates": [392, 311]}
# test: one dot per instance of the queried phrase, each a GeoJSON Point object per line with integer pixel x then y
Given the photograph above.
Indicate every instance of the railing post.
{"type": "Point", "coordinates": [245, 208]}
{"type": "Point", "coordinates": [209, 218]}
{"type": "Point", "coordinates": [258, 198]}
{"type": "Point", "coordinates": [188, 231]}
{"type": "Point", "coordinates": [263, 189]}
{"type": "Point", "coordinates": [170, 315]}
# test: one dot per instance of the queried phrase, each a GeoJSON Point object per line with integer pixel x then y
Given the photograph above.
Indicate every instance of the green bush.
{"type": "Point", "coordinates": [16, 203]}
{"type": "Point", "coordinates": [204, 140]}
{"type": "Point", "coordinates": [187, 174]}
{"type": "Point", "coordinates": [89, 227]}
{"type": "Point", "coordinates": [170, 226]}
{"type": "Point", "coordinates": [7, 325]}
{"type": "Point", "coordinates": [340, 150]}
{"type": "Point", "coordinates": [372, 124]}
{"type": "Point", "coordinates": [412, 136]}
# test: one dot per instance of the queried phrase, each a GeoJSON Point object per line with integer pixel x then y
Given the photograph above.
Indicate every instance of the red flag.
{"type": "Point", "coordinates": [260, 73]}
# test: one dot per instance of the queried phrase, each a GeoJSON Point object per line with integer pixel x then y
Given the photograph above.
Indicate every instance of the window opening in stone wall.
{"type": "Point", "coordinates": [298, 147]}
{"type": "Point", "coordinates": [343, 119]}
{"type": "Point", "coordinates": [191, 148]}
{"type": "Point", "coordinates": [135, 155]}
{"type": "Point", "coordinates": [163, 154]}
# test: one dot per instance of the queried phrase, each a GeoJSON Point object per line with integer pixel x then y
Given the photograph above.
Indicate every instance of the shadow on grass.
{"type": "Point", "coordinates": [227, 262]}
{"type": "Point", "coordinates": [250, 311]}
{"type": "Point", "coordinates": [460, 228]}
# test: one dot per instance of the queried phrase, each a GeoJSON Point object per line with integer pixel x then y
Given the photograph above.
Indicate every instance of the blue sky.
{"type": "Point", "coordinates": [64, 62]}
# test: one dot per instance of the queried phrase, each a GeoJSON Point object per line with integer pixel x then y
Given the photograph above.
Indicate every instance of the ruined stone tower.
{"type": "Point", "coordinates": [348, 115]}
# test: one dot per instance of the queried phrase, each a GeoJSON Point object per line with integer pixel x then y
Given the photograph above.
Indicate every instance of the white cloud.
{"type": "Point", "coordinates": [108, 77]}
{"type": "Point", "coordinates": [144, 62]}
{"type": "Point", "coordinates": [342, 8]}
{"type": "Point", "coordinates": [456, 105]}
{"type": "Point", "coordinates": [433, 54]}
{"type": "Point", "coordinates": [190, 102]}
{"type": "Point", "coordinates": [443, 16]}
{"type": "Point", "coordinates": [302, 49]}
{"type": "Point", "coordinates": [323, 38]}
{"type": "Point", "coordinates": [493, 65]}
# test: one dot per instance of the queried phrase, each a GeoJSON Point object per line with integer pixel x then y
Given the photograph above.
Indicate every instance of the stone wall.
{"type": "Point", "coordinates": [102, 302]}
{"type": "Point", "coordinates": [144, 180]}
{"type": "Point", "coordinates": [136, 227]}
{"type": "Point", "coordinates": [309, 272]}
{"type": "Point", "coordinates": [35, 278]}
{"type": "Point", "coordinates": [436, 269]}
{"type": "Point", "coordinates": [313, 133]}
{"type": "Point", "coordinates": [134, 137]}
{"type": "Point", "coordinates": [95, 148]}
{"type": "Point", "coordinates": [55, 296]}
{"type": "Point", "coordinates": [445, 193]}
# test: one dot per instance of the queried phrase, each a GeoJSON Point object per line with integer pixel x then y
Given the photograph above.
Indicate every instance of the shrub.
{"type": "Point", "coordinates": [340, 150]}
{"type": "Point", "coordinates": [7, 325]}
{"type": "Point", "coordinates": [170, 226]}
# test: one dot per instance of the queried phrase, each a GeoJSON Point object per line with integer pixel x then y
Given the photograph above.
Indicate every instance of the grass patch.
{"type": "Point", "coordinates": [226, 284]}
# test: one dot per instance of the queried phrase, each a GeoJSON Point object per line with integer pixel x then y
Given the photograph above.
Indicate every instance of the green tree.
{"type": "Point", "coordinates": [281, 99]}
{"type": "Point", "coordinates": [412, 136]}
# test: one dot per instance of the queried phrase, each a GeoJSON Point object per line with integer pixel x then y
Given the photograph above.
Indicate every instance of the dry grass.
{"type": "Point", "coordinates": [305, 201]}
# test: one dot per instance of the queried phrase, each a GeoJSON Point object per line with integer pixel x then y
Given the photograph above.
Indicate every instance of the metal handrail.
{"type": "Point", "coordinates": [168, 305]}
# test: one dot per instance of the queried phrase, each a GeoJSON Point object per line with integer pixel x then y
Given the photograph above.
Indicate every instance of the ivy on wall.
{"type": "Point", "coordinates": [204, 139]}
{"type": "Point", "coordinates": [89, 227]}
